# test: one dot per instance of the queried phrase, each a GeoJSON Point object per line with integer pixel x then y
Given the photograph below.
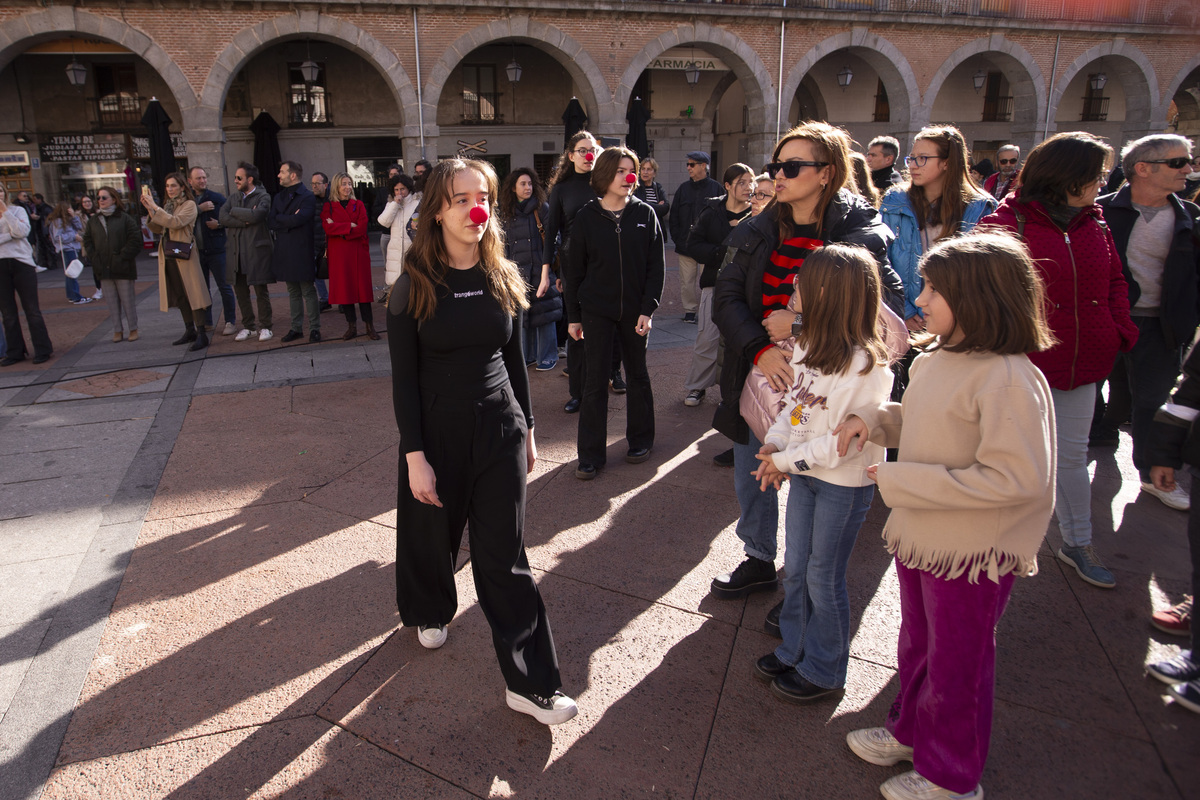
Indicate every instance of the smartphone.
{"type": "Point", "coordinates": [146, 189]}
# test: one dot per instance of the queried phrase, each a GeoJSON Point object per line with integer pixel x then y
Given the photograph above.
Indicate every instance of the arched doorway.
{"type": "Point", "coordinates": [1183, 115]}
{"type": "Point", "coordinates": [1111, 91]}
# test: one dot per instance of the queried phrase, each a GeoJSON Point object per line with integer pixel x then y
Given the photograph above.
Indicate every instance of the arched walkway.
{"type": "Point", "coordinates": [1180, 77]}
{"type": "Point", "coordinates": [1145, 109]}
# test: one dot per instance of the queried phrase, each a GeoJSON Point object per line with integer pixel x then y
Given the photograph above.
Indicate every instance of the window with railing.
{"type": "Point", "coordinates": [308, 103]}
{"type": "Point", "coordinates": [480, 98]}
{"type": "Point", "coordinates": [1095, 104]}
{"type": "Point", "coordinates": [116, 110]}
{"type": "Point", "coordinates": [997, 107]}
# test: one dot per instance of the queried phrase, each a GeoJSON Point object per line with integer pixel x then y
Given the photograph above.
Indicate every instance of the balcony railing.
{"type": "Point", "coordinates": [481, 107]}
{"type": "Point", "coordinates": [997, 109]}
{"type": "Point", "coordinates": [1117, 12]}
{"type": "Point", "coordinates": [116, 111]}
{"type": "Point", "coordinates": [1095, 109]}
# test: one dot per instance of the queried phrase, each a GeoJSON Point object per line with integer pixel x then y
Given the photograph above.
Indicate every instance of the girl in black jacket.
{"type": "Point", "coordinates": [614, 281]}
{"type": "Point", "coordinates": [523, 211]}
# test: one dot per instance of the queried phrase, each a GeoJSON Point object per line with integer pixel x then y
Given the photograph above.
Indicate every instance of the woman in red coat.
{"type": "Point", "coordinates": [1054, 211]}
{"type": "Point", "coordinates": [345, 221]}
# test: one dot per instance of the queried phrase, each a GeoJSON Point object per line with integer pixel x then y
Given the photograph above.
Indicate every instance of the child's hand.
{"type": "Point", "coordinates": [873, 472]}
{"type": "Point", "coordinates": [1163, 478]}
{"type": "Point", "coordinates": [767, 449]}
{"type": "Point", "coordinates": [850, 428]}
{"type": "Point", "coordinates": [767, 473]}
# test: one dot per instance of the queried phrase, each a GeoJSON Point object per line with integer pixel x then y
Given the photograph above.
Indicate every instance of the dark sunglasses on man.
{"type": "Point", "coordinates": [791, 169]}
{"type": "Point", "coordinates": [1172, 163]}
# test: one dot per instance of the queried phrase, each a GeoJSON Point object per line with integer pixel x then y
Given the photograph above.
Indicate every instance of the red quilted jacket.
{"type": "Point", "coordinates": [1087, 294]}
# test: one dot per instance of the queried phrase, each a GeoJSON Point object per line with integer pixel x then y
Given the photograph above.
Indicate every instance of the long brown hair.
{"type": "Point", "coordinates": [829, 143]}
{"type": "Point", "coordinates": [839, 290]}
{"type": "Point", "coordinates": [864, 187]}
{"type": "Point", "coordinates": [958, 191]}
{"type": "Point", "coordinates": [508, 192]}
{"type": "Point", "coordinates": [565, 167]}
{"type": "Point", "coordinates": [427, 260]}
{"type": "Point", "coordinates": [61, 212]}
{"type": "Point", "coordinates": [185, 195]}
{"type": "Point", "coordinates": [993, 290]}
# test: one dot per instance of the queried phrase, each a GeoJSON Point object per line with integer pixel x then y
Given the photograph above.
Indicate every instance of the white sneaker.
{"type": "Point", "coordinates": [432, 637]}
{"type": "Point", "coordinates": [911, 786]}
{"type": "Point", "coordinates": [1177, 498]}
{"type": "Point", "coordinates": [878, 746]}
{"type": "Point", "coordinates": [553, 710]}
{"type": "Point", "coordinates": [39, 269]}
{"type": "Point", "coordinates": [99, 295]}
{"type": "Point", "coordinates": [243, 335]}
{"type": "Point", "coordinates": [265, 335]}
{"type": "Point", "coordinates": [229, 329]}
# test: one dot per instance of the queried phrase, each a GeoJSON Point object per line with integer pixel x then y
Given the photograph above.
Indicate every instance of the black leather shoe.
{"type": "Point", "coordinates": [572, 405]}
{"type": "Point", "coordinates": [42, 359]}
{"type": "Point", "coordinates": [618, 383]}
{"type": "Point", "coordinates": [326, 306]}
{"type": "Point", "coordinates": [291, 336]}
{"type": "Point", "coordinates": [585, 472]}
{"type": "Point", "coordinates": [752, 575]}
{"type": "Point", "coordinates": [201, 341]}
{"type": "Point", "coordinates": [724, 459]}
{"type": "Point", "coordinates": [768, 668]}
{"type": "Point", "coordinates": [771, 624]}
{"type": "Point", "coordinates": [8, 362]}
{"type": "Point", "coordinates": [637, 456]}
{"type": "Point", "coordinates": [314, 337]}
{"type": "Point", "coordinates": [188, 337]}
{"type": "Point", "coordinates": [794, 688]}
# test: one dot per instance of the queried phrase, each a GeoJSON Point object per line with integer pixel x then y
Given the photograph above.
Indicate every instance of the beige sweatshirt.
{"type": "Point", "coordinates": [974, 487]}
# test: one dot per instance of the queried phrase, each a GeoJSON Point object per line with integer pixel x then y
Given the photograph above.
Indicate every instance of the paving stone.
{"type": "Point", "coordinates": [283, 366]}
{"type": "Point", "coordinates": [52, 533]}
{"type": "Point", "coordinates": [31, 589]}
{"type": "Point", "coordinates": [227, 372]}
{"type": "Point", "coordinates": [18, 645]}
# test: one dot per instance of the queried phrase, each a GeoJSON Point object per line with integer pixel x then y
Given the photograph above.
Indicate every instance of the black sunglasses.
{"type": "Point", "coordinates": [1008, 160]}
{"type": "Point", "coordinates": [791, 169]}
{"type": "Point", "coordinates": [1173, 163]}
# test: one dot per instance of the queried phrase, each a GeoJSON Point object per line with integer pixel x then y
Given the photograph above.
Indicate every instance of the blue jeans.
{"type": "Point", "coordinates": [1073, 486]}
{"type": "Point", "coordinates": [322, 291]}
{"type": "Point", "coordinates": [821, 525]}
{"type": "Point", "coordinates": [541, 344]}
{"type": "Point", "coordinates": [758, 526]}
{"type": "Point", "coordinates": [1152, 367]}
{"type": "Point", "coordinates": [214, 264]}
{"type": "Point", "coordinates": [69, 255]}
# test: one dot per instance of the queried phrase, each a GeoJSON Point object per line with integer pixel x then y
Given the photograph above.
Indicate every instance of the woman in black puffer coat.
{"type": "Point", "coordinates": [523, 211]}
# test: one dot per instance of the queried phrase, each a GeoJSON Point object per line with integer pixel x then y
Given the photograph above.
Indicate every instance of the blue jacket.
{"type": "Point", "coordinates": [291, 219]}
{"type": "Point", "coordinates": [905, 250]}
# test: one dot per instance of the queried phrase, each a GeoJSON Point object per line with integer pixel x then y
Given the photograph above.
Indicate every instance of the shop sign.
{"type": "Point", "coordinates": [679, 58]}
{"type": "Point", "coordinates": [141, 146]}
{"type": "Point", "coordinates": [14, 158]}
{"type": "Point", "coordinates": [84, 147]}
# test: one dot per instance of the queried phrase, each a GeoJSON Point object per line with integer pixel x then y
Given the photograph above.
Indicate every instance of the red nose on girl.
{"type": "Point", "coordinates": [479, 215]}
{"type": "Point", "coordinates": [588, 157]}
{"type": "Point", "coordinates": [630, 177]}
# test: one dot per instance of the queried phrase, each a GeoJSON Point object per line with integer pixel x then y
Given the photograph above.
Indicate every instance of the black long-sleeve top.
{"type": "Point", "coordinates": [566, 198]}
{"type": "Point", "coordinates": [466, 351]}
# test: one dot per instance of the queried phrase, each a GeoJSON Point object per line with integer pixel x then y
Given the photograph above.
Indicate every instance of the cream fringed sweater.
{"type": "Point", "coordinates": [973, 489]}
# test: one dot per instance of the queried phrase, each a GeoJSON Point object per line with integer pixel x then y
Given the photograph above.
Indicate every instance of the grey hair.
{"type": "Point", "coordinates": [889, 145]}
{"type": "Point", "coordinates": [1151, 148]}
{"type": "Point", "coordinates": [1013, 147]}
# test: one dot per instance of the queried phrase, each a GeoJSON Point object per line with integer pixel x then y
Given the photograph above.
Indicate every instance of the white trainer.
{"type": "Point", "coordinates": [229, 330]}
{"type": "Point", "coordinates": [1177, 498]}
{"type": "Point", "coordinates": [912, 786]}
{"type": "Point", "coordinates": [878, 746]}
{"type": "Point", "coordinates": [553, 710]}
{"type": "Point", "coordinates": [265, 335]}
{"type": "Point", "coordinates": [432, 637]}
{"type": "Point", "coordinates": [243, 335]}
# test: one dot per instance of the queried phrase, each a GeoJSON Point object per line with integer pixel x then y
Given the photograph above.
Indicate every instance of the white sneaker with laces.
{"type": "Point", "coordinates": [265, 335]}
{"type": "Point", "coordinates": [243, 335]}
{"type": "Point", "coordinates": [99, 295]}
{"type": "Point", "coordinates": [432, 637]}
{"type": "Point", "coordinates": [878, 746]}
{"type": "Point", "coordinates": [553, 710]}
{"type": "Point", "coordinates": [911, 786]}
{"type": "Point", "coordinates": [229, 330]}
{"type": "Point", "coordinates": [1177, 498]}
{"type": "Point", "coordinates": [39, 269]}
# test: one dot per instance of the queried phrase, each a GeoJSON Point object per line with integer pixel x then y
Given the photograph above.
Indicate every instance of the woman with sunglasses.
{"type": "Point", "coordinates": [812, 208]}
{"type": "Point", "coordinates": [114, 239]}
{"type": "Point", "coordinates": [937, 201]}
{"type": "Point", "coordinates": [1053, 210]}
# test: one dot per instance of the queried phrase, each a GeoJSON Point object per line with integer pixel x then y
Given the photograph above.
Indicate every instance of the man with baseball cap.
{"type": "Point", "coordinates": [689, 201]}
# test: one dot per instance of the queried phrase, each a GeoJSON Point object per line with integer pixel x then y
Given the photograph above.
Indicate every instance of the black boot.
{"type": "Point", "coordinates": [201, 340]}
{"type": "Point", "coordinates": [189, 335]}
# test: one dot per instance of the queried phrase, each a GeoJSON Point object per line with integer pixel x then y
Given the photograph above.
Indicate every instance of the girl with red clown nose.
{"type": "Point", "coordinates": [613, 285]}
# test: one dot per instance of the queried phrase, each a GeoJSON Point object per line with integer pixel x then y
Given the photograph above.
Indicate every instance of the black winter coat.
{"type": "Point", "coordinates": [566, 198]}
{"type": "Point", "coordinates": [213, 240]}
{"type": "Point", "coordinates": [291, 219]}
{"type": "Point", "coordinates": [1174, 437]}
{"type": "Point", "coordinates": [707, 237]}
{"type": "Point", "coordinates": [661, 210]}
{"type": "Point", "coordinates": [737, 297]}
{"type": "Point", "coordinates": [113, 251]}
{"type": "Point", "coordinates": [689, 200]}
{"type": "Point", "coordinates": [523, 246]}
{"type": "Point", "coordinates": [615, 269]}
{"type": "Point", "coordinates": [1181, 272]}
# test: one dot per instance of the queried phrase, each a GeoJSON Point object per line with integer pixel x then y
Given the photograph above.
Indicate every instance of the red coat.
{"type": "Point", "coordinates": [1087, 294]}
{"type": "Point", "coordinates": [349, 253]}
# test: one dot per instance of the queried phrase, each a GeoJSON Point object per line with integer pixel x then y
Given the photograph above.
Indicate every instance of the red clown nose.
{"type": "Point", "coordinates": [588, 157]}
{"type": "Point", "coordinates": [479, 215]}
{"type": "Point", "coordinates": [630, 177]}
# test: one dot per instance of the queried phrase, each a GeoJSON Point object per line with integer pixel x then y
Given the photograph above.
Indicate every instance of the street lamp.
{"type": "Point", "coordinates": [513, 70]}
{"type": "Point", "coordinates": [692, 73]}
{"type": "Point", "coordinates": [76, 72]}
{"type": "Point", "coordinates": [844, 77]}
{"type": "Point", "coordinates": [1097, 81]}
{"type": "Point", "coordinates": [979, 79]}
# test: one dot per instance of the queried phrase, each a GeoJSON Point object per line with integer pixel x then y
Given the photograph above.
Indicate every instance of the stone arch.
{"type": "Point", "coordinates": [1024, 76]}
{"type": "Point", "coordinates": [710, 108]}
{"type": "Point", "coordinates": [569, 52]}
{"type": "Point", "coordinates": [1143, 110]}
{"type": "Point", "coordinates": [1180, 77]}
{"type": "Point", "coordinates": [312, 24]}
{"type": "Point", "coordinates": [17, 34]}
{"type": "Point", "coordinates": [741, 58]}
{"type": "Point", "coordinates": [886, 59]}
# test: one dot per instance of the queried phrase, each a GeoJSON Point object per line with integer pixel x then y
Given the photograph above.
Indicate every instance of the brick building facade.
{"type": "Point", "coordinates": [1003, 70]}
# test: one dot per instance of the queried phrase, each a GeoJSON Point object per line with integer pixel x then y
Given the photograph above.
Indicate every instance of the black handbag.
{"type": "Point", "coordinates": [323, 266]}
{"type": "Point", "coordinates": [180, 251]}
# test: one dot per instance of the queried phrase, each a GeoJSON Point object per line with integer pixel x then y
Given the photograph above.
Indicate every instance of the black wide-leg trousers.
{"type": "Point", "coordinates": [477, 451]}
{"type": "Point", "coordinates": [601, 335]}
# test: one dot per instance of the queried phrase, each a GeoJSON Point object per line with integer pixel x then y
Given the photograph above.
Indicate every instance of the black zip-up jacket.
{"type": "Point", "coordinates": [707, 237]}
{"type": "Point", "coordinates": [737, 297]}
{"type": "Point", "coordinates": [615, 269]}
{"type": "Point", "coordinates": [1178, 308]}
{"type": "Point", "coordinates": [1175, 437]}
{"type": "Point", "coordinates": [566, 198]}
{"type": "Point", "coordinates": [685, 210]}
